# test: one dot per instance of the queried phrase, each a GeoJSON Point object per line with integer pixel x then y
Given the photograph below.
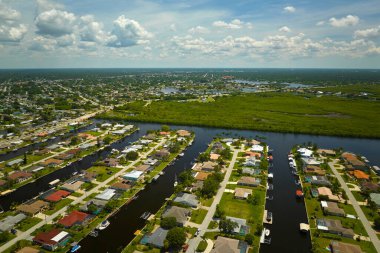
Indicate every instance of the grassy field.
{"type": "Point", "coordinates": [197, 216]}
{"type": "Point", "coordinates": [278, 112]}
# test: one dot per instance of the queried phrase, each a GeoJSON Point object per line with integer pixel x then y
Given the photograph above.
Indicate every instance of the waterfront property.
{"type": "Point", "coordinates": [52, 239]}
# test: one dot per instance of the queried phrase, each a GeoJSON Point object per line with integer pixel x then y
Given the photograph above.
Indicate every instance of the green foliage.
{"type": "Point", "coordinates": [132, 155]}
{"type": "Point", "coordinates": [168, 222]}
{"type": "Point", "coordinates": [211, 185]}
{"type": "Point", "coordinates": [219, 213]}
{"type": "Point", "coordinates": [377, 222]}
{"type": "Point", "coordinates": [227, 226]}
{"type": "Point", "coordinates": [249, 238]}
{"type": "Point", "coordinates": [176, 237]}
{"type": "Point", "coordinates": [107, 140]}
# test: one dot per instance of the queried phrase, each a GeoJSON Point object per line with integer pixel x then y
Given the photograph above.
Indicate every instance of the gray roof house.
{"type": "Point", "coordinates": [318, 180]}
{"type": "Point", "coordinates": [155, 239]}
{"type": "Point", "coordinates": [242, 228]}
{"type": "Point", "coordinates": [9, 222]}
{"type": "Point", "coordinates": [186, 199]}
{"type": "Point", "coordinates": [179, 213]}
{"type": "Point", "coordinates": [375, 197]}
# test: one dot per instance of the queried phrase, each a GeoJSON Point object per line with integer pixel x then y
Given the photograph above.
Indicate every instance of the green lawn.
{"type": "Point", "coordinates": [278, 112]}
{"type": "Point", "coordinates": [103, 172]}
{"type": "Point", "coordinates": [61, 204]}
{"type": "Point", "coordinates": [207, 202]}
{"type": "Point", "coordinates": [28, 223]}
{"type": "Point", "coordinates": [197, 216]}
{"type": "Point", "coordinates": [358, 196]}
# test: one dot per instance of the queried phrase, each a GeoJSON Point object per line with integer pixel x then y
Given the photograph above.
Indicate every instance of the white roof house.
{"type": "Point", "coordinates": [305, 152]}
{"type": "Point", "coordinates": [107, 194]}
{"type": "Point", "coordinates": [257, 148]}
{"type": "Point", "coordinates": [133, 175]}
{"type": "Point", "coordinates": [60, 236]}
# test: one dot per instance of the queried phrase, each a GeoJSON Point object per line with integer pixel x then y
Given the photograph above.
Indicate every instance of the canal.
{"type": "Point", "coordinates": [287, 211]}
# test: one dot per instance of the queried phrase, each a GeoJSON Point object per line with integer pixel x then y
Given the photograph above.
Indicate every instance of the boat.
{"type": "Point", "coordinates": [182, 154]}
{"type": "Point", "coordinates": [297, 182]}
{"type": "Point", "coordinates": [270, 176]}
{"type": "Point", "coordinates": [269, 197]}
{"type": "Point", "coordinates": [155, 178]}
{"type": "Point", "coordinates": [299, 194]}
{"type": "Point", "coordinates": [304, 227]}
{"type": "Point", "coordinates": [267, 232]}
{"type": "Point", "coordinates": [161, 173]}
{"type": "Point", "coordinates": [145, 215]}
{"type": "Point", "coordinates": [54, 182]}
{"type": "Point", "coordinates": [175, 180]}
{"type": "Point", "coordinates": [75, 173]}
{"type": "Point", "coordinates": [103, 225]}
{"type": "Point", "coordinates": [75, 248]}
{"type": "Point", "coordinates": [94, 233]}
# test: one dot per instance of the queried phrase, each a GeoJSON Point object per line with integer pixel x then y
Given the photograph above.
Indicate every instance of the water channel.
{"type": "Point", "coordinates": [287, 211]}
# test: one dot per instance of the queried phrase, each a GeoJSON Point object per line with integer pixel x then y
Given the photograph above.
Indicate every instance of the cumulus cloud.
{"type": "Point", "coordinates": [320, 23]}
{"type": "Point", "coordinates": [368, 33]}
{"type": "Point", "coordinates": [12, 33]}
{"type": "Point", "coordinates": [7, 13]}
{"type": "Point", "coordinates": [55, 23]}
{"type": "Point", "coordinates": [234, 24]}
{"type": "Point", "coordinates": [41, 43]}
{"type": "Point", "coordinates": [198, 29]}
{"type": "Point", "coordinates": [289, 9]}
{"type": "Point", "coordinates": [284, 29]}
{"type": "Point", "coordinates": [127, 32]}
{"type": "Point", "coordinates": [91, 30]}
{"type": "Point", "coordinates": [173, 28]}
{"type": "Point", "coordinates": [349, 20]}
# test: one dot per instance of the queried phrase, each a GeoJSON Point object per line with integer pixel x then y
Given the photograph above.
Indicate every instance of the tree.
{"type": "Point", "coordinates": [249, 238]}
{"type": "Point", "coordinates": [111, 205]}
{"type": "Point", "coordinates": [227, 226]}
{"type": "Point", "coordinates": [74, 141]}
{"type": "Point", "coordinates": [25, 159]}
{"type": "Point", "coordinates": [165, 128]}
{"type": "Point", "coordinates": [176, 237]}
{"type": "Point", "coordinates": [132, 155]}
{"type": "Point", "coordinates": [377, 222]}
{"type": "Point", "coordinates": [168, 222]}
{"type": "Point", "coordinates": [219, 213]}
{"type": "Point", "coordinates": [107, 140]}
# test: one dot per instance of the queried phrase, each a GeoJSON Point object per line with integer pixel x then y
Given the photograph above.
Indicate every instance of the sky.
{"type": "Point", "coordinates": [196, 33]}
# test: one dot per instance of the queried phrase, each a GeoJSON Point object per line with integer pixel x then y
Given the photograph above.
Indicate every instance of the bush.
{"type": "Point", "coordinates": [249, 238]}
{"type": "Point", "coordinates": [168, 222]}
{"type": "Point", "coordinates": [176, 237]}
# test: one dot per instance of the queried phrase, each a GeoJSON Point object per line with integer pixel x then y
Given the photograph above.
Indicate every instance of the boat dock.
{"type": "Point", "coordinates": [265, 218]}
{"type": "Point", "coordinates": [263, 235]}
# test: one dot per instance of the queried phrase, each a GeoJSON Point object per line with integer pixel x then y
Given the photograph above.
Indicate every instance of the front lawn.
{"type": "Point", "coordinates": [28, 223]}
{"type": "Point", "coordinates": [197, 216]}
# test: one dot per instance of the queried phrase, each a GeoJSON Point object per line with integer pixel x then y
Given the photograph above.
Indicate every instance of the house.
{"type": "Point", "coordinates": [52, 239]}
{"type": "Point", "coordinates": [332, 208]}
{"type": "Point", "coordinates": [151, 162]}
{"type": "Point", "coordinates": [44, 151]}
{"type": "Point", "coordinates": [179, 213]}
{"type": "Point", "coordinates": [326, 152]}
{"type": "Point", "coordinates": [87, 145]}
{"type": "Point", "coordinates": [359, 175]}
{"type": "Point", "coordinates": [74, 218]}
{"type": "Point", "coordinates": [144, 168]}
{"type": "Point", "coordinates": [369, 186]}
{"type": "Point", "coordinates": [315, 170]}
{"type": "Point", "coordinates": [241, 228]}
{"type": "Point", "coordinates": [134, 175]}
{"type": "Point", "coordinates": [33, 208]}
{"type": "Point", "coordinates": [164, 133]}
{"type": "Point", "coordinates": [183, 133]}
{"type": "Point", "coordinates": [318, 180]}
{"type": "Point", "coordinates": [73, 151]}
{"type": "Point", "coordinates": [64, 156]}
{"type": "Point", "coordinates": [51, 162]}
{"type": "Point", "coordinates": [186, 199]}
{"type": "Point", "coordinates": [257, 148]}
{"type": "Point", "coordinates": [249, 181]}
{"type": "Point", "coordinates": [242, 193]}
{"type": "Point", "coordinates": [250, 171]}
{"type": "Point", "coordinates": [15, 162]}
{"type": "Point", "coordinates": [111, 162]}
{"type": "Point", "coordinates": [201, 175]}
{"type": "Point", "coordinates": [251, 162]}
{"type": "Point", "coordinates": [334, 227]}
{"type": "Point", "coordinates": [352, 162]}
{"type": "Point", "coordinates": [214, 156]}
{"type": "Point", "coordinates": [161, 153]}
{"type": "Point", "coordinates": [252, 154]}
{"type": "Point", "coordinates": [375, 197]}
{"type": "Point", "coordinates": [228, 245]}
{"type": "Point", "coordinates": [72, 186]}
{"type": "Point", "coordinates": [305, 152]}
{"type": "Point", "coordinates": [2, 183]}
{"type": "Point", "coordinates": [107, 194]}
{"type": "Point", "coordinates": [20, 176]}
{"type": "Point", "coordinates": [342, 247]}
{"type": "Point", "coordinates": [325, 191]}
{"type": "Point", "coordinates": [121, 186]}
{"type": "Point", "coordinates": [35, 168]}
{"type": "Point", "coordinates": [89, 176]}
{"type": "Point", "coordinates": [310, 161]}
{"type": "Point", "coordinates": [56, 196]}
{"type": "Point", "coordinates": [208, 166]}
{"type": "Point", "coordinates": [155, 239]}
{"type": "Point", "coordinates": [53, 147]}
{"type": "Point", "coordinates": [10, 221]}
{"type": "Point", "coordinates": [93, 206]}
{"type": "Point", "coordinates": [217, 146]}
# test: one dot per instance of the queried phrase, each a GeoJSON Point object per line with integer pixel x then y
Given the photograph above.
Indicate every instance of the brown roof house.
{"type": "Point", "coordinates": [228, 245]}
{"type": "Point", "coordinates": [33, 208]}
{"type": "Point", "coordinates": [249, 181]}
{"type": "Point", "coordinates": [315, 170]}
{"type": "Point", "coordinates": [242, 193]}
{"type": "Point", "coordinates": [352, 162]}
{"type": "Point", "coordinates": [52, 239]}
{"type": "Point", "coordinates": [20, 176]}
{"type": "Point", "coordinates": [51, 162]}
{"type": "Point", "coordinates": [335, 227]}
{"type": "Point", "coordinates": [342, 247]}
{"type": "Point", "coordinates": [332, 208]}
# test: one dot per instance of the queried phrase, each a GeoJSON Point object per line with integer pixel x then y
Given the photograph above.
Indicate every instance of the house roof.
{"type": "Point", "coordinates": [52, 161]}
{"type": "Point", "coordinates": [157, 238]}
{"type": "Point", "coordinates": [57, 195]}
{"type": "Point", "coordinates": [226, 245]}
{"type": "Point", "coordinates": [370, 186]}
{"type": "Point", "coordinates": [214, 156]}
{"type": "Point", "coordinates": [248, 180]}
{"type": "Point", "coordinates": [143, 167]}
{"type": "Point", "coordinates": [209, 165]}
{"type": "Point", "coordinates": [326, 151]}
{"type": "Point", "coordinates": [121, 186]}
{"type": "Point", "coordinates": [183, 133]}
{"type": "Point", "coordinates": [73, 218]}
{"type": "Point", "coordinates": [107, 194]}
{"type": "Point", "coordinates": [324, 191]}
{"type": "Point", "coordinates": [201, 175]}
{"type": "Point", "coordinates": [186, 198]}
{"type": "Point", "coordinates": [73, 186]}
{"type": "Point", "coordinates": [10, 221]}
{"type": "Point", "coordinates": [358, 174]}
{"type": "Point", "coordinates": [179, 213]}
{"type": "Point", "coordinates": [242, 192]}
{"type": "Point", "coordinates": [133, 174]}
{"type": "Point", "coordinates": [33, 207]}
{"type": "Point", "coordinates": [375, 197]}
{"type": "Point", "coordinates": [50, 238]}
{"type": "Point", "coordinates": [341, 247]}
{"type": "Point", "coordinates": [20, 174]}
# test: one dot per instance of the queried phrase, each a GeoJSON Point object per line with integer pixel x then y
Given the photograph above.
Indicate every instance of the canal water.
{"type": "Point", "coordinates": [287, 211]}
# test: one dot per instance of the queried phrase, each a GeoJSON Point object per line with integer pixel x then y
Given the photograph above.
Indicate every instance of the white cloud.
{"type": "Point", "coordinates": [235, 24]}
{"type": "Point", "coordinates": [91, 30]}
{"type": "Point", "coordinates": [289, 9]}
{"type": "Point", "coordinates": [55, 23]}
{"type": "Point", "coordinates": [173, 28]}
{"type": "Point", "coordinates": [320, 23]}
{"type": "Point", "coordinates": [284, 29]}
{"type": "Point", "coordinates": [349, 20]}
{"type": "Point", "coordinates": [198, 29]}
{"type": "Point", "coordinates": [40, 43]}
{"type": "Point", "coordinates": [128, 32]}
{"type": "Point", "coordinates": [12, 33]}
{"type": "Point", "coordinates": [7, 13]}
{"type": "Point", "coordinates": [368, 33]}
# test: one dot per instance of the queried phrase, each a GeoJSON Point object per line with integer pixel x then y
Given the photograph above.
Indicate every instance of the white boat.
{"type": "Point", "coordinates": [175, 180]}
{"type": "Point", "coordinates": [267, 232]}
{"type": "Point", "coordinates": [182, 154]}
{"type": "Point", "coordinates": [54, 182]}
{"type": "Point", "coordinates": [74, 173]}
{"type": "Point", "coordinates": [103, 225]}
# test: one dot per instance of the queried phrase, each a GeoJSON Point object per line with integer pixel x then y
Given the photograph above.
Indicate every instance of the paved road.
{"type": "Point", "coordinates": [371, 233]}
{"type": "Point", "coordinates": [193, 243]}
{"type": "Point", "coordinates": [25, 235]}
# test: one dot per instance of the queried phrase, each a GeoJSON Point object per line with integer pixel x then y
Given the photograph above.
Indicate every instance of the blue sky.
{"type": "Point", "coordinates": [215, 33]}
